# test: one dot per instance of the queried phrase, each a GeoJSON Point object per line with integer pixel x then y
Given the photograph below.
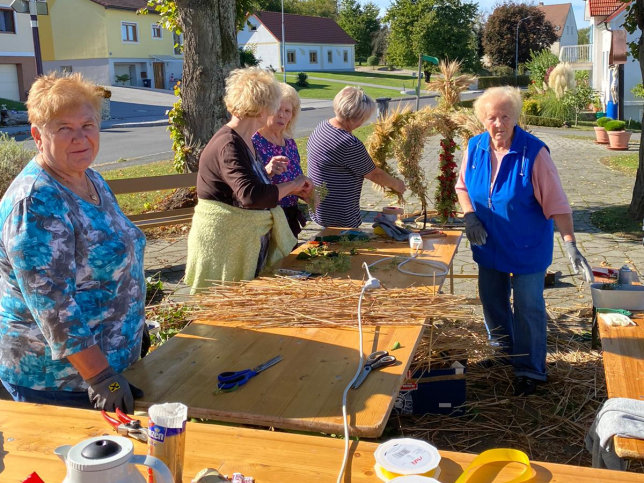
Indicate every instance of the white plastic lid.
{"type": "Point", "coordinates": [80, 460]}
{"type": "Point", "coordinates": [407, 456]}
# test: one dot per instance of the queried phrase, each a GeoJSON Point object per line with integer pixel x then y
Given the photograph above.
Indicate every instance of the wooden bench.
{"type": "Point", "coordinates": [623, 354]}
{"type": "Point", "coordinates": [155, 183]}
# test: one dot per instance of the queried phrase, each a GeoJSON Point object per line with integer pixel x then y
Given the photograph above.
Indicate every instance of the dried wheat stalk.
{"type": "Point", "coordinates": [320, 302]}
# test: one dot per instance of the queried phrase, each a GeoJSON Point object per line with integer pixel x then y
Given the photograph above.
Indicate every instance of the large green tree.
{"type": "Point", "coordinates": [440, 28]}
{"type": "Point", "coordinates": [583, 36]}
{"type": "Point", "coordinates": [317, 8]}
{"type": "Point", "coordinates": [361, 23]}
{"type": "Point", "coordinates": [500, 33]}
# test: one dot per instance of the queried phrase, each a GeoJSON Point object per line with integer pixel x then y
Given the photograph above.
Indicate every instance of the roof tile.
{"type": "Point", "coordinates": [556, 15]}
{"type": "Point", "coordinates": [124, 4]}
{"type": "Point", "coordinates": [603, 8]}
{"type": "Point", "coordinates": [304, 28]}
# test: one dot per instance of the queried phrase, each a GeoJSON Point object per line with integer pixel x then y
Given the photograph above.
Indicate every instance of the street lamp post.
{"type": "Point", "coordinates": [516, 50]}
{"type": "Point", "coordinates": [283, 46]}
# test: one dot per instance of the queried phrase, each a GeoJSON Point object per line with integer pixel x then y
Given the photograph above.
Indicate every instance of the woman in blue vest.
{"type": "Point", "coordinates": [511, 195]}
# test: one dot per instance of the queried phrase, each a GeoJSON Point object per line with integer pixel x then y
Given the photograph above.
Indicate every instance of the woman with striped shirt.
{"type": "Point", "coordinates": [340, 160]}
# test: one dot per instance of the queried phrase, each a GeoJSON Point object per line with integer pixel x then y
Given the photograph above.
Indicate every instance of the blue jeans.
{"type": "Point", "coordinates": [520, 332]}
{"type": "Point", "coordinates": [72, 399]}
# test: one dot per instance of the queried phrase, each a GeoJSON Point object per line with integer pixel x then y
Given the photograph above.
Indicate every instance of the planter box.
{"type": "Point", "coordinates": [601, 136]}
{"type": "Point", "coordinates": [618, 140]}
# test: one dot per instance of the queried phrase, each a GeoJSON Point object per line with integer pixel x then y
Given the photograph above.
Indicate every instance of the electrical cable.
{"type": "Point", "coordinates": [370, 284]}
{"type": "Point", "coordinates": [436, 264]}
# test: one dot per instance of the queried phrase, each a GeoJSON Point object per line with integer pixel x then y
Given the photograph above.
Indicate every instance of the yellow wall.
{"type": "Point", "coordinates": [74, 29]}
{"type": "Point", "coordinates": [81, 29]}
{"type": "Point", "coordinates": [146, 45]}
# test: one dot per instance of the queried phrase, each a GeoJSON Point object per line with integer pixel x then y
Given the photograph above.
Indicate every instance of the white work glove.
{"type": "Point", "coordinates": [578, 261]}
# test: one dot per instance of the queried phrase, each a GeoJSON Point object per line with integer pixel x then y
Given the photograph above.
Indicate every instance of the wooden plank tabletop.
{"type": "Point", "coordinates": [436, 248]}
{"type": "Point", "coordinates": [303, 391]}
{"type": "Point", "coordinates": [623, 353]}
{"type": "Point", "coordinates": [28, 440]}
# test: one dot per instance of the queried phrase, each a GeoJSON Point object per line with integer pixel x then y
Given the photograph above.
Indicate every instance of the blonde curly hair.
{"type": "Point", "coordinates": [250, 92]}
{"type": "Point", "coordinates": [54, 93]}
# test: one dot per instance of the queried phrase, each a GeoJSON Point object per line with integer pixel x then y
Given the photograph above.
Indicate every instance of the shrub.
{"type": "Point", "coordinates": [301, 79]}
{"type": "Point", "coordinates": [539, 64]}
{"type": "Point", "coordinates": [603, 120]}
{"type": "Point", "coordinates": [508, 80]}
{"type": "Point", "coordinates": [372, 60]}
{"type": "Point", "coordinates": [247, 57]}
{"type": "Point", "coordinates": [502, 70]}
{"type": "Point", "coordinates": [638, 91]}
{"type": "Point", "coordinates": [531, 107]}
{"type": "Point", "coordinates": [542, 121]}
{"type": "Point", "coordinates": [13, 157]}
{"type": "Point", "coordinates": [551, 106]}
{"type": "Point", "coordinates": [614, 126]}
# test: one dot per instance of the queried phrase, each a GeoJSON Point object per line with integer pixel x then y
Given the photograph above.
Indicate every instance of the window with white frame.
{"type": "Point", "coordinates": [156, 31]}
{"type": "Point", "coordinates": [7, 21]}
{"type": "Point", "coordinates": [313, 57]}
{"type": "Point", "coordinates": [129, 32]}
{"type": "Point", "coordinates": [290, 57]}
{"type": "Point", "coordinates": [329, 57]}
{"type": "Point", "coordinates": [345, 56]}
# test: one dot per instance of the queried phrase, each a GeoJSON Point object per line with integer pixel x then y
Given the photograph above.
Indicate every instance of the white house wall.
{"type": "Point", "coordinates": [633, 108]}
{"type": "Point", "coordinates": [267, 48]}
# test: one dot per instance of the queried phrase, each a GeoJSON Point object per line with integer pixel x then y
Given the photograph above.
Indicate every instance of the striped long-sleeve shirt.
{"type": "Point", "coordinates": [339, 159]}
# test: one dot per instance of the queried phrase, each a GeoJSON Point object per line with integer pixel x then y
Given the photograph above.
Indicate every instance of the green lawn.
{"type": "Point", "coordinates": [13, 105]}
{"type": "Point", "coordinates": [625, 163]}
{"type": "Point", "coordinates": [322, 89]}
{"type": "Point", "coordinates": [135, 203]}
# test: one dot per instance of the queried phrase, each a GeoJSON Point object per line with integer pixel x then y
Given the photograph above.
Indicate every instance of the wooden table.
{"type": "Point", "coordinates": [29, 433]}
{"type": "Point", "coordinates": [440, 248]}
{"type": "Point", "coordinates": [304, 390]}
{"type": "Point", "coordinates": [623, 353]}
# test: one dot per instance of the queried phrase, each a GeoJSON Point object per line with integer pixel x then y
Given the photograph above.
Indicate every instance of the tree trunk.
{"type": "Point", "coordinates": [636, 209]}
{"type": "Point", "coordinates": [209, 53]}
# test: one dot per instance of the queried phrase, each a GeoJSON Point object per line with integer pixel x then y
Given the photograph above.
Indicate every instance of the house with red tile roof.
{"type": "Point", "coordinates": [562, 18]}
{"type": "Point", "coordinates": [308, 44]}
{"type": "Point", "coordinates": [614, 71]}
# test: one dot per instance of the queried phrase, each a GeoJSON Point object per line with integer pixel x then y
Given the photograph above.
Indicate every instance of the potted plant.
{"type": "Point", "coordinates": [600, 132]}
{"type": "Point", "coordinates": [618, 137]}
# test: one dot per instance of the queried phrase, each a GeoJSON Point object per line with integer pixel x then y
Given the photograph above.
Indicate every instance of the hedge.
{"type": "Point", "coordinates": [505, 80]}
{"type": "Point", "coordinates": [542, 121]}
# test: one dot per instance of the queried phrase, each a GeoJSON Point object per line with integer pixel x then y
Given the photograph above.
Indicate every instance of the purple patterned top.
{"type": "Point", "coordinates": [266, 150]}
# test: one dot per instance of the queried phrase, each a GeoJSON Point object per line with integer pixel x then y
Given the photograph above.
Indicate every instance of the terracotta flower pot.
{"type": "Point", "coordinates": [619, 139]}
{"type": "Point", "coordinates": [601, 136]}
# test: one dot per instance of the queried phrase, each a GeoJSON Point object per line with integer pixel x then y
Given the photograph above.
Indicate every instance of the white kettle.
{"type": "Point", "coordinates": [108, 459]}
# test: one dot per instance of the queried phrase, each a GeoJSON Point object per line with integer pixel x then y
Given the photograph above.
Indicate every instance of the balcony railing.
{"type": "Point", "coordinates": [576, 54]}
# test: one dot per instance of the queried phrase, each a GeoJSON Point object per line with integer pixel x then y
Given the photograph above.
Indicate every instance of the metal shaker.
{"type": "Point", "coordinates": [627, 276]}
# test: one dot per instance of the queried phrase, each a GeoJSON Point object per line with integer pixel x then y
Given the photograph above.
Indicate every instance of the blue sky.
{"type": "Point", "coordinates": [487, 6]}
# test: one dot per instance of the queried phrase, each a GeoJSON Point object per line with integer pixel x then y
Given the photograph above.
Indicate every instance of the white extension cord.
{"type": "Point", "coordinates": [370, 284]}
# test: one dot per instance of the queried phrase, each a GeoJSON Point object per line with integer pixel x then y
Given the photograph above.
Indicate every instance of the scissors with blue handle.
{"type": "Point", "coordinates": [376, 360]}
{"type": "Point", "coordinates": [232, 380]}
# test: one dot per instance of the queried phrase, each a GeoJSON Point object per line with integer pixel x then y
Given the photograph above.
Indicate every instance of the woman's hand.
{"type": "Point", "coordinates": [304, 187]}
{"type": "Point", "coordinates": [277, 165]}
{"type": "Point", "coordinates": [398, 186]}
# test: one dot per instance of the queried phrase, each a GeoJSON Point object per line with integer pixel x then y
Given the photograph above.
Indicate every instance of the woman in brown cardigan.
{"type": "Point", "coordinates": [238, 226]}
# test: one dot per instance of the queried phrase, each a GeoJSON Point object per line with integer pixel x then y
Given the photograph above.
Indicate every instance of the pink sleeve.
{"type": "Point", "coordinates": [461, 189]}
{"type": "Point", "coordinates": [547, 186]}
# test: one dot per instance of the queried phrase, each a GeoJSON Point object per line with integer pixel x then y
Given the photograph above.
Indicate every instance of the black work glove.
{"type": "Point", "coordinates": [474, 229]}
{"type": "Point", "coordinates": [578, 261]}
{"type": "Point", "coordinates": [109, 390]}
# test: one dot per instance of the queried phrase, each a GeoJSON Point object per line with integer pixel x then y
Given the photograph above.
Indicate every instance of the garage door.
{"type": "Point", "coordinates": [9, 82]}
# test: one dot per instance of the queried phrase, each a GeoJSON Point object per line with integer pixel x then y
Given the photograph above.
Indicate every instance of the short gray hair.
{"type": "Point", "coordinates": [351, 103]}
{"type": "Point", "coordinates": [497, 95]}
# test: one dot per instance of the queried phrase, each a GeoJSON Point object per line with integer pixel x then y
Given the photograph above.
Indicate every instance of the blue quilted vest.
{"type": "Point", "coordinates": [519, 235]}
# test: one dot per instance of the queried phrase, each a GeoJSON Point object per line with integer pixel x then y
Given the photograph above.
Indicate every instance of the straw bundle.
{"type": "Point", "coordinates": [450, 85]}
{"type": "Point", "coordinates": [549, 425]}
{"type": "Point", "coordinates": [321, 302]}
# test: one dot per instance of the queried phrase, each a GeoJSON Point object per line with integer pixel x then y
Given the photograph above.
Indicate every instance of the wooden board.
{"type": "Point", "coordinates": [27, 442]}
{"type": "Point", "coordinates": [623, 353]}
{"type": "Point", "coordinates": [303, 391]}
{"type": "Point", "coordinates": [441, 248]}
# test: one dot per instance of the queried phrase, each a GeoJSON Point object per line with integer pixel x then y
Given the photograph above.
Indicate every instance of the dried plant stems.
{"type": "Point", "coordinates": [321, 302]}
